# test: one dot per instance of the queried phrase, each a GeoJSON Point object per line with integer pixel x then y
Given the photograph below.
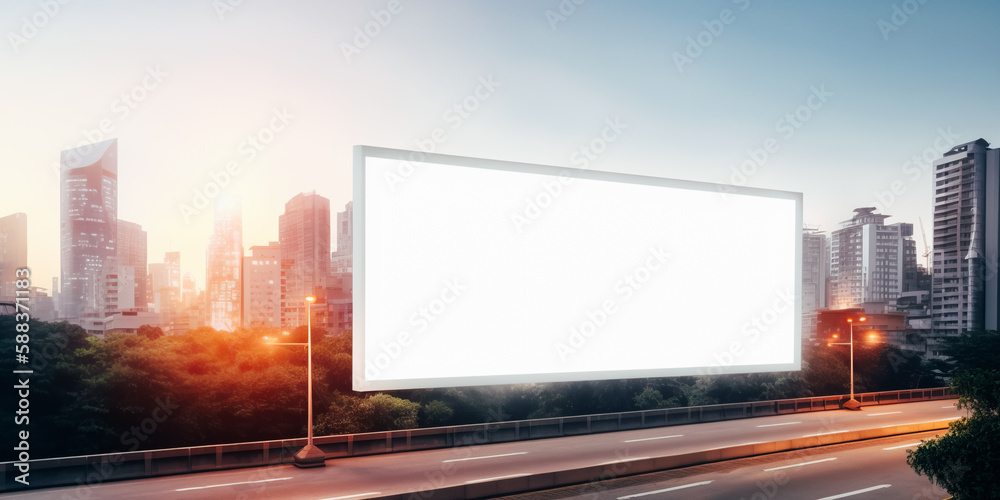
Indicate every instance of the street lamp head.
{"type": "Point", "coordinates": [862, 318]}
{"type": "Point", "coordinates": [285, 332]}
{"type": "Point", "coordinates": [310, 299]}
{"type": "Point", "coordinates": [850, 320]}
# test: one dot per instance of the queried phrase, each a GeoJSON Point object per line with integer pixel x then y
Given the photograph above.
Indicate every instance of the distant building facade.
{"type": "Point", "coordinates": [868, 260]}
{"type": "Point", "coordinates": [223, 266]}
{"type": "Point", "coordinates": [964, 287]}
{"type": "Point", "coordinates": [815, 264]}
{"type": "Point", "coordinates": [304, 238]}
{"type": "Point", "coordinates": [132, 262]}
{"type": "Point", "coordinates": [13, 252]}
{"type": "Point", "coordinates": [343, 261]}
{"type": "Point", "coordinates": [88, 228]}
{"type": "Point", "coordinates": [262, 286]}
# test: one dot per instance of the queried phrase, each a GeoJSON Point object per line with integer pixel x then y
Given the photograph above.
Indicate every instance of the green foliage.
{"type": "Point", "coordinates": [966, 460]}
{"type": "Point", "coordinates": [971, 350]}
{"type": "Point", "coordinates": [89, 394]}
{"type": "Point", "coordinates": [150, 332]}
{"type": "Point", "coordinates": [381, 412]}
{"type": "Point", "coordinates": [649, 399]}
{"type": "Point", "coordinates": [436, 414]}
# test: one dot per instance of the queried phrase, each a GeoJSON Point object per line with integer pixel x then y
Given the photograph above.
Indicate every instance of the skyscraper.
{"type": "Point", "coordinates": [13, 252]}
{"type": "Point", "coordinates": [88, 226]}
{"type": "Point", "coordinates": [262, 286]}
{"type": "Point", "coordinates": [964, 287]}
{"type": "Point", "coordinates": [223, 262]}
{"type": "Point", "coordinates": [343, 261]}
{"type": "Point", "coordinates": [868, 260]}
{"type": "Point", "coordinates": [815, 263]}
{"type": "Point", "coordinates": [304, 237]}
{"type": "Point", "coordinates": [132, 254]}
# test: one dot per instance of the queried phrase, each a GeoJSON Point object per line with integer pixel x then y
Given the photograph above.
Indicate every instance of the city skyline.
{"type": "Point", "coordinates": [822, 100]}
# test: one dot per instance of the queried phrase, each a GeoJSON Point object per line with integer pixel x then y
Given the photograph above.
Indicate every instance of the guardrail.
{"type": "Point", "coordinates": [94, 469]}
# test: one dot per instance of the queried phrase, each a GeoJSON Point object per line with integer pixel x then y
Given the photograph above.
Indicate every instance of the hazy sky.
{"type": "Point", "coordinates": [888, 79]}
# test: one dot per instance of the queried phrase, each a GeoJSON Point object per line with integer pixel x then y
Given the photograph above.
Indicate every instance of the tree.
{"type": "Point", "coordinates": [649, 399]}
{"type": "Point", "coordinates": [436, 414]}
{"type": "Point", "coordinates": [966, 460]}
{"type": "Point", "coordinates": [150, 332]}
{"type": "Point", "coordinates": [977, 349]}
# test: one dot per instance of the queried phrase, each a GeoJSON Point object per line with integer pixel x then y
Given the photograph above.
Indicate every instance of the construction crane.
{"type": "Point", "coordinates": [927, 248]}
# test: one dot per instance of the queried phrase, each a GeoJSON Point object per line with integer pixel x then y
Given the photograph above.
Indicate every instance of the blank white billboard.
{"type": "Point", "coordinates": [473, 272]}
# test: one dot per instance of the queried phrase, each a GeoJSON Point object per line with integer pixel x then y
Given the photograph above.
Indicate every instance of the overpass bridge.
{"type": "Point", "coordinates": [491, 459]}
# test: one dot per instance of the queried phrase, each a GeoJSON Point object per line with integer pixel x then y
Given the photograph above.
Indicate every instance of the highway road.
{"type": "Point", "coordinates": [373, 476]}
{"type": "Point", "coordinates": [873, 469]}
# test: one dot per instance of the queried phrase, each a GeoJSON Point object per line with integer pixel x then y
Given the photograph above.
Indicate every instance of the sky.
{"type": "Point", "coordinates": [843, 94]}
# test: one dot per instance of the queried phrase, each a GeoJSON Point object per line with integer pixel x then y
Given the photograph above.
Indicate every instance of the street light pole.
{"type": "Point", "coordinates": [853, 404]}
{"type": "Point", "coordinates": [309, 301]}
{"type": "Point", "coordinates": [310, 455]}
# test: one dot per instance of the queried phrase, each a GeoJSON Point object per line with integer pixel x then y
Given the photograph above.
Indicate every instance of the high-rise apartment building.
{"type": "Point", "coordinates": [223, 261]}
{"type": "Point", "coordinates": [964, 286]}
{"type": "Point", "coordinates": [815, 265]}
{"type": "Point", "coordinates": [13, 252]}
{"type": "Point", "coordinates": [343, 261]}
{"type": "Point", "coordinates": [132, 254]}
{"type": "Point", "coordinates": [88, 226]}
{"type": "Point", "coordinates": [262, 286]}
{"type": "Point", "coordinates": [304, 237]}
{"type": "Point", "coordinates": [868, 259]}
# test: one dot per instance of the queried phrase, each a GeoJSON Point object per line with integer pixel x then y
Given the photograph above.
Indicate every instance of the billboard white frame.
{"type": "Point", "coordinates": [388, 345]}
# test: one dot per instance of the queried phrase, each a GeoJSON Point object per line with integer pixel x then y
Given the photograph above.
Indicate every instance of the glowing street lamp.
{"type": "Point", "coordinates": [309, 455]}
{"type": "Point", "coordinates": [851, 404]}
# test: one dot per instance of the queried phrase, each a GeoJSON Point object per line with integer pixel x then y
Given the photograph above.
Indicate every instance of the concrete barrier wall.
{"type": "Point", "coordinates": [95, 469]}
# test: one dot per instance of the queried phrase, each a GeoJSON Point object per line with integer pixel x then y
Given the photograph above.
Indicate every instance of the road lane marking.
{"type": "Point", "coordinates": [886, 413]}
{"type": "Point", "coordinates": [345, 497]}
{"type": "Point", "coordinates": [902, 446]}
{"type": "Point", "coordinates": [622, 460]}
{"type": "Point", "coordinates": [231, 484]}
{"type": "Point", "coordinates": [856, 492]}
{"type": "Point", "coordinates": [650, 439]}
{"type": "Point", "coordinates": [775, 425]}
{"type": "Point", "coordinates": [952, 406]}
{"type": "Point", "coordinates": [822, 434]}
{"type": "Point", "coordinates": [494, 478]}
{"type": "Point", "coordinates": [800, 465]}
{"type": "Point", "coordinates": [918, 423]}
{"type": "Point", "coordinates": [637, 495]}
{"type": "Point", "coordinates": [488, 456]}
